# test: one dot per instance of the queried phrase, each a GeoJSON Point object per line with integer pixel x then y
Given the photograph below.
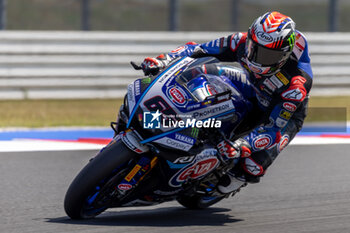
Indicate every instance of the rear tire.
{"type": "Point", "coordinates": [85, 183]}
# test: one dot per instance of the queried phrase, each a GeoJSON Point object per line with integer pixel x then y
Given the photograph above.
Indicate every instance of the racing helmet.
{"type": "Point", "coordinates": [270, 42]}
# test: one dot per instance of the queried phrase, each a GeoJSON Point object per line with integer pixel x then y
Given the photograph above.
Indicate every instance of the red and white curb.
{"type": "Point", "coordinates": [26, 145]}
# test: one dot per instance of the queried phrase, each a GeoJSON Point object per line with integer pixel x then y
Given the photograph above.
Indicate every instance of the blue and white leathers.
{"type": "Point", "coordinates": [282, 97]}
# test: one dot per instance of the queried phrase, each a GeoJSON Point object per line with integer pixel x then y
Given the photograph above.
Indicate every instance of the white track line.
{"type": "Point", "coordinates": [43, 145]}
{"type": "Point", "coordinates": [314, 140]}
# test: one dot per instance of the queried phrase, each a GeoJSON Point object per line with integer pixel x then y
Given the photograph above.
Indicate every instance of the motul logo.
{"type": "Point", "coordinates": [177, 95]}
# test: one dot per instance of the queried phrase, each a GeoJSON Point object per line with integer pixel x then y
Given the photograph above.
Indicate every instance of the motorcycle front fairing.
{"type": "Point", "coordinates": [168, 94]}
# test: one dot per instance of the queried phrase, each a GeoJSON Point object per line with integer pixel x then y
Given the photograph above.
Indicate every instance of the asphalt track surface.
{"type": "Point", "coordinates": [307, 189]}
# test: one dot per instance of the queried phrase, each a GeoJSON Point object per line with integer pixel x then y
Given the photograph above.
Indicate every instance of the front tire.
{"type": "Point", "coordinates": [85, 183]}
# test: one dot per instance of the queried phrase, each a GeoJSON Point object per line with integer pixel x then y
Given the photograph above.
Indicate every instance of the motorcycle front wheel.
{"type": "Point", "coordinates": [107, 165]}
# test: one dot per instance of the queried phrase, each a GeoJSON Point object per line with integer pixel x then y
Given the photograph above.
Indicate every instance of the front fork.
{"type": "Point", "coordinates": [120, 124]}
{"type": "Point", "coordinates": [142, 167]}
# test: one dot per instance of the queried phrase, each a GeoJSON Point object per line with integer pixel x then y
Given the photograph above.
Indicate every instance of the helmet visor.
{"type": "Point", "coordinates": [263, 56]}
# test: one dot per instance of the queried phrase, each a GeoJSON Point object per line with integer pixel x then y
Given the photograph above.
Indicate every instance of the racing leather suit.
{"type": "Point", "coordinates": [282, 97]}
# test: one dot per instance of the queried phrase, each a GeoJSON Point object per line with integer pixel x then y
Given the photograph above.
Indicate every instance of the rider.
{"type": "Point", "coordinates": [276, 74]}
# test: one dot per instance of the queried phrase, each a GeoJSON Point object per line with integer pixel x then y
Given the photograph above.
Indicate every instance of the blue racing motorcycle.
{"type": "Point", "coordinates": [164, 147]}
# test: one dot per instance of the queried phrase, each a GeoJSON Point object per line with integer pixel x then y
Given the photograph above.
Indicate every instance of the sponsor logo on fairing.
{"type": "Point", "coordinates": [185, 159]}
{"type": "Point", "coordinates": [138, 87]}
{"type": "Point", "coordinates": [213, 110]}
{"type": "Point", "coordinates": [131, 97]}
{"type": "Point", "coordinates": [203, 164]}
{"type": "Point", "coordinates": [177, 141]}
{"type": "Point", "coordinates": [177, 96]}
{"type": "Point", "coordinates": [193, 106]}
{"type": "Point", "coordinates": [184, 138]}
{"type": "Point", "coordinates": [124, 187]}
{"type": "Point", "coordinates": [166, 141]}
{"type": "Point", "coordinates": [201, 168]}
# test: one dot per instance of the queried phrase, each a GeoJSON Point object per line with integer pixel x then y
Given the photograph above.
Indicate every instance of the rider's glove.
{"type": "Point", "coordinates": [236, 149]}
{"type": "Point", "coordinates": [153, 65]}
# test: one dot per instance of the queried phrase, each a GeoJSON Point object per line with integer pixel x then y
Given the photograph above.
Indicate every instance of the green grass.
{"type": "Point", "coordinates": [100, 112]}
{"type": "Point", "coordinates": [329, 109]}
{"type": "Point", "coordinates": [49, 113]}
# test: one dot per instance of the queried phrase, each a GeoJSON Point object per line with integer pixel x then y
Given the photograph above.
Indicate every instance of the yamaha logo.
{"type": "Point", "coordinates": [265, 37]}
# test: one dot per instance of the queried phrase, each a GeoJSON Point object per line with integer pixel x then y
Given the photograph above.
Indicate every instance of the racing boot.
{"type": "Point", "coordinates": [229, 183]}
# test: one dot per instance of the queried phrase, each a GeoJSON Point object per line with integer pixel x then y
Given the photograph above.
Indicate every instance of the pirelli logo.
{"type": "Point", "coordinates": [283, 78]}
{"type": "Point", "coordinates": [133, 172]}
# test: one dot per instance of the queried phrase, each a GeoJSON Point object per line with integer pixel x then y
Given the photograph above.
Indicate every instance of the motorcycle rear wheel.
{"type": "Point", "coordinates": [85, 183]}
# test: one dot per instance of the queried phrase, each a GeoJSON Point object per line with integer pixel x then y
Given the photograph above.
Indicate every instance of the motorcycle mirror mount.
{"type": "Point", "coordinates": [135, 66]}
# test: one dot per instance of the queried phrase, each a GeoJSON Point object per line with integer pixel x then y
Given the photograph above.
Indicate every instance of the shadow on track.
{"type": "Point", "coordinates": [162, 217]}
